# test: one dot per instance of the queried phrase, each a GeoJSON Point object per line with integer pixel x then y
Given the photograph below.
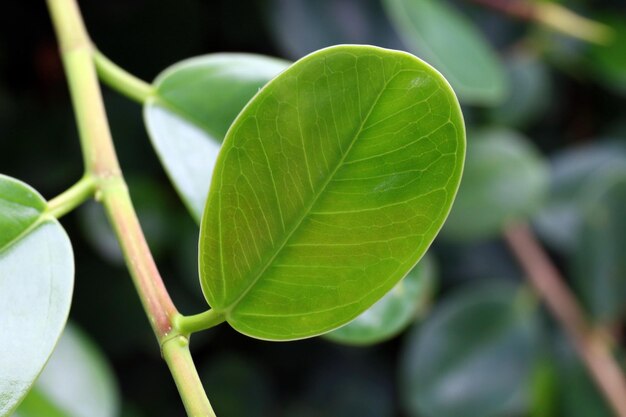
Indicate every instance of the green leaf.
{"type": "Point", "coordinates": [76, 382]}
{"type": "Point", "coordinates": [394, 312]}
{"type": "Point", "coordinates": [473, 356]}
{"type": "Point", "coordinates": [20, 209]}
{"type": "Point", "coordinates": [598, 262]}
{"type": "Point", "coordinates": [194, 103]}
{"type": "Point", "coordinates": [330, 186]}
{"type": "Point", "coordinates": [452, 44]}
{"type": "Point", "coordinates": [36, 282]}
{"type": "Point", "coordinates": [573, 173]}
{"type": "Point", "coordinates": [505, 179]}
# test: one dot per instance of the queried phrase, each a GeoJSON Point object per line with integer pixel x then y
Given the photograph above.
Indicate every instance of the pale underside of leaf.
{"type": "Point", "coordinates": [36, 280]}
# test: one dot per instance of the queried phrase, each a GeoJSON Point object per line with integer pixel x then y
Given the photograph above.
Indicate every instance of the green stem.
{"type": "Point", "coordinates": [121, 80]}
{"type": "Point", "coordinates": [198, 322]}
{"type": "Point", "coordinates": [102, 166]}
{"type": "Point", "coordinates": [176, 354]}
{"type": "Point", "coordinates": [72, 197]}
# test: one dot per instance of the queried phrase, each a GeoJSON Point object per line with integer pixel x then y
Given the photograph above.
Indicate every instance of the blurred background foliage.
{"type": "Point", "coordinates": [546, 117]}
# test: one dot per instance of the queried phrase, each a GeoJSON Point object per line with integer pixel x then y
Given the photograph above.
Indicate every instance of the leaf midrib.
{"type": "Point", "coordinates": [307, 210]}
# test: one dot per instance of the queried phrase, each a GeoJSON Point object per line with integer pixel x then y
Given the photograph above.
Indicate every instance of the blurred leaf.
{"type": "Point", "coordinates": [327, 190]}
{"type": "Point", "coordinates": [573, 171]}
{"type": "Point", "coordinates": [543, 389]}
{"type": "Point", "coordinates": [577, 394]}
{"type": "Point", "coordinates": [598, 263]}
{"type": "Point", "coordinates": [473, 355]}
{"type": "Point", "coordinates": [395, 311]}
{"type": "Point", "coordinates": [530, 93]}
{"type": "Point", "coordinates": [608, 62]}
{"type": "Point", "coordinates": [452, 44]}
{"type": "Point", "coordinates": [194, 104]}
{"type": "Point", "coordinates": [505, 178]}
{"type": "Point", "coordinates": [303, 26]}
{"type": "Point", "coordinates": [76, 382]}
{"type": "Point", "coordinates": [36, 283]}
{"type": "Point", "coordinates": [231, 377]}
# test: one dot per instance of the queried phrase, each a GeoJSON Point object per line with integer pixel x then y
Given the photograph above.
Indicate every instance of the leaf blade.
{"type": "Point", "coordinates": [36, 283]}
{"type": "Point", "coordinates": [282, 214]}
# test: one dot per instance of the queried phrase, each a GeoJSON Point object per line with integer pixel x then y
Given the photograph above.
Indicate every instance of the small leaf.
{"type": "Point", "coordinates": [452, 44]}
{"type": "Point", "coordinates": [394, 312]}
{"type": "Point", "coordinates": [330, 186]}
{"type": "Point", "coordinates": [473, 356]}
{"type": "Point", "coordinates": [76, 382]}
{"type": "Point", "coordinates": [505, 179]}
{"type": "Point", "coordinates": [572, 173]}
{"type": "Point", "coordinates": [598, 262]}
{"type": "Point", "coordinates": [530, 93]}
{"type": "Point", "coordinates": [194, 103]}
{"type": "Point", "coordinates": [36, 282]}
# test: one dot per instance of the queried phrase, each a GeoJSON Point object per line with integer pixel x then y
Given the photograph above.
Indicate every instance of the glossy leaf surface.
{"type": "Point", "coordinates": [76, 382]}
{"type": "Point", "coordinates": [394, 312]}
{"type": "Point", "coordinates": [452, 44]}
{"type": "Point", "coordinates": [36, 282]}
{"type": "Point", "coordinates": [330, 185]}
{"type": "Point", "coordinates": [473, 356]}
{"type": "Point", "coordinates": [194, 103]}
{"type": "Point", "coordinates": [505, 179]}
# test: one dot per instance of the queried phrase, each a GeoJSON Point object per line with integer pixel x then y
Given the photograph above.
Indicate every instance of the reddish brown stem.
{"type": "Point", "coordinates": [518, 9]}
{"type": "Point", "coordinates": [547, 281]}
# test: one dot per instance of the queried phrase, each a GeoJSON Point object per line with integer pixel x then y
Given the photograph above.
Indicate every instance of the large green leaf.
{"type": "Point", "coordinates": [194, 103]}
{"type": "Point", "coordinates": [76, 382]}
{"type": "Point", "coordinates": [598, 261]}
{"type": "Point", "coordinates": [451, 43]}
{"type": "Point", "coordinates": [473, 356]}
{"type": "Point", "coordinates": [330, 185]}
{"type": "Point", "coordinates": [394, 312]}
{"type": "Point", "coordinates": [505, 179]}
{"type": "Point", "coordinates": [36, 282]}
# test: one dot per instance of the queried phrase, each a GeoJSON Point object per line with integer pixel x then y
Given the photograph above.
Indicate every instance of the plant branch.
{"type": "Point", "coordinates": [553, 16]}
{"type": "Point", "coordinates": [176, 354]}
{"type": "Point", "coordinates": [102, 166]}
{"type": "Point", "coordinates": [121, 80]}
{"type": "Point", "coordinates": [72, 197]}
{"type": "Point", "coordinates": [591, 347]}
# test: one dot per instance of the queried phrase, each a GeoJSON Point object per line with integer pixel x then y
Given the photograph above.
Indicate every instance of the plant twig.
{"type": "Point", "coordinates": [102, 166]}
{"type": "Point", "coordinates": [553, 16]}
{"type": "Point", "coordinates": [547, 281]}
{"type": "Point", "coordinates": [121, 80]}
{"type": "Point", "coordinates": [71, 198]}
